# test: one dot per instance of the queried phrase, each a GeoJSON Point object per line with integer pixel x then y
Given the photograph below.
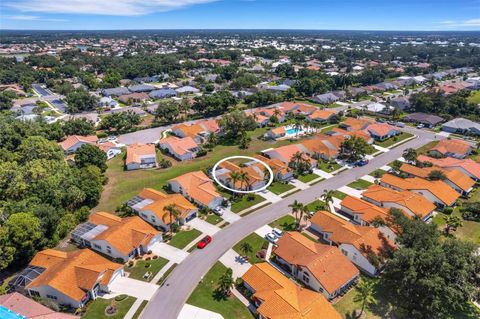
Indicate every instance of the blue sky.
{"type": "Point", "coordinates": [241, 14]}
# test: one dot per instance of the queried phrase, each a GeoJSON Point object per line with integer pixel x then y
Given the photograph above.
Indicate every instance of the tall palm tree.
{"type": "Point", "coordinates": [410, 155]}
{"type": "Point", "coordinates": [296, 159]}
{"type": "Point", "coordinates": [173, 212]}
{"type": "Point", "coordinates": [327, 197]}
{"type": "Point", "coordinates": [452, 223]}
{"type": "Point", "coordinates": [303, 212]}
{"type": "Point", "coordinates": [225, 282]}
{"type": "Point", "coordinates": [296, 206]}
{"type": "Point", "coordinates": [246, 249]}
{"type": "Point", "coordinates": [364, 294]}
{"type": "Point", "coordinates": [244, 179]}
{"type": "Point", "coordinates": [233, 178]}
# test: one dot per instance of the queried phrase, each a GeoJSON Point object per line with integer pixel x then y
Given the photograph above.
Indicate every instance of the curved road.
{"type": "Point", "coordinates": [170, 298]}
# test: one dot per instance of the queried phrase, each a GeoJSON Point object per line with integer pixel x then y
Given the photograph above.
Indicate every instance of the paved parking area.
{"type": "Point", "coordinates": [203, 226]}
{"type": "Point", "coordinates": [169, 252]}
{"type": "Point", "coordinates": [233, 260]}
{"type": "Point", "coordinates": [322, 174]}
{"type": "Point", "coordinates": [132, 287]}
{"type": "Point", "coordinates": [192, 312]}
{"type": "Point", "coordinates": [262, 231]}
{"type": "Point", "coordinates": [229, 216]}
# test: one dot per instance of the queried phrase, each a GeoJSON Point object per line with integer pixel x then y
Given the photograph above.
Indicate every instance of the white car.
{"type": "Point", "coordinates": [218, 211]}
{"type": "Point", "coordinates": [271, 238]}
{"type": "Point", "coordinates": [277, 232]}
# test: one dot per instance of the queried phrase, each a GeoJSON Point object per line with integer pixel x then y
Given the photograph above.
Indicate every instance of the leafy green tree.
{"type": "Point", "coordinates": [24, 233]}
{"type": "Point", "coordinates": [353, 149]}
{"type": "Point", "coordinates": [120, 122]}
{"type": "Point", "coordinates": [410, 155]}
{"type": "Point", "coordinates": [236, 124]}
{"type": "Point", "coordinates": [82, 127]}
{"type": "Point", "coordinates": [437, 175]}
{"type": "Point", "coordinates": [452, 222]}
{"type": "Point", "coordinates": [80, 100]}
{"type": "Point", "coordinates": [225, 282]}
{"type": "Point", "coordinates": [167, 111]}
{"type": "Point", "coordinates": [5, 102]}
{"type": "Point", "coordinates": [364, 294]}
{"type": "Point", "coordinates": [66, 225]}
{"type": "Point", "coordinates": [7, 251]}
{"type": "Point", "coordinates": [91, 155]}
{"type": "Point", "coordinates": [215, 103]}
{"type": "Point", "coordinates": [37, 147]}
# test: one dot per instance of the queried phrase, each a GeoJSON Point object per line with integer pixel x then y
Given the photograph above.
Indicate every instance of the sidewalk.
{"type": "Point", "coordinates": [299, 184]}
{"type": "Point", "coordinates": [203, 226]}
{"type": "Point", "coordinates": [133, 309]}
{"type": "Point", "coordinates": [368, 178]}
{"type": "Point", "coordinates": [271, 197]}
{"type": "Point", "coordinates": [162, 272]}
{"type": "Point", "coordinates": [169, 252]}
{"type": "Point", "coordinates": [322, 174]}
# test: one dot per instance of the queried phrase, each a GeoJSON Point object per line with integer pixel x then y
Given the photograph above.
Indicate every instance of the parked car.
{"type": "Point", "coordinates": [400, 124]}
{"type": "Point", "coordinates": [218, 211]}
{"type": "Point", "coordinates": [277, 232]}
{"type": "Point", "coordinates": [204, 242]}
{"type": "Point", "coordinates": [271, 238]}
{"type": "Point", "coordinates": [362, 162]}
{"type": "Point", "coordinates": [420, 126]}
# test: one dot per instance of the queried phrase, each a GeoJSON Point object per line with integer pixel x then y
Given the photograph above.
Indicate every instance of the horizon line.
{"type": "Point", "coordinates": [245, 29]}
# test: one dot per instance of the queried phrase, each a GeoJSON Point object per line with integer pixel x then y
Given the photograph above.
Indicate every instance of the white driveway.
{"type": "Point", "coordinates": [169, 252]}
{"type": "Point", "coordinates": [233, 260]}
{"type": "Point", "coordinates": [192, 312]}
{"type": "Point", "coordinates": [229, 216]}
{"type": "Point", "coordinates": [298, 184]}
{"type": "Point", "coordinates": [379, 148]}
{"type": "Point", "coordinates": [322, 174]}
{"type": "Point", "coordinates": [132, 287]}
{"type": "Point", "coordinates": [271, 197]}
{"type": "Point", "coordinates": [368, 178]}
{"type": "Point", "coordinates": [203, 226]}
{"type": "Point", "coordinates": [262, 231]}
{"type": "Point", "coordinates": [351, 191]}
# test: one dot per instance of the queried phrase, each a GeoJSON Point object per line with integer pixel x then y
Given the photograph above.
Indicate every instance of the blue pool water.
{"type": "Point", "coordinates": [293, 131]}
{"type": "Point", "coordinates": [5, 313]}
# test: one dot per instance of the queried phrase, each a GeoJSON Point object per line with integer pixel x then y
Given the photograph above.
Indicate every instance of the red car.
{"type": "Point", "coordinates": [204, 242]}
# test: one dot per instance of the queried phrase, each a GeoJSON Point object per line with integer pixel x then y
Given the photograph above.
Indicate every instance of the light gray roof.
{"type": "Point", "coordinates": [463, 124]}
{"type": "Point", "coordinates": [141, 88]}
{"type": "Point", "coordinates": [187, 89]}
{"type": "Point", "coordinates": [115, 91]}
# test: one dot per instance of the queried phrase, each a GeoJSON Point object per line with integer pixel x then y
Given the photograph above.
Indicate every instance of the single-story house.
{"type": "Point", "coordinates": [153, 206]}
{"type": "Point", "coordinates": [115, 91]}
{"type": "Point", "coordinates": [255, 175]}
{"type": "Point", "coordinates": [119, 238]}
{"type": "Point", "coordinates": [461, 126]}
{"type": "Point", "coordinates": [378, 108]}
{"type": "Point", "coordinates": [134, 97]}
{"type": "Point", "coordinates": [276, 296]}
{"type": "Point", "coordinates": [323, 146]}
{"type": "Point", "coordinates": [276, 133]}
{"type": "Point", "coordinates": [107, 101]}
{"type": "Point", "coordinates": [187, 90]}
{"type": "Point", "coordinates": [466, 166]}
{"type": "Point", "coordinates": [141, 88]}
{"type": "Point", "coordinates": [25, 109]}
{"type": "Point", "coordinates": [198, 188]}
{"type": "Point", "coordinates": [355, 241]}
{"type": "Point", "coordinates": [280, 170]}
{"type": "Point", "coordinates": [73, 142]}
{"type": "Point", "coordinates": [429, 120]}
{"type": "Point", "coordinates": [321, 116]}
{"type": "Point", "coordinates": [163, 93]}
{"type": "Point", "coordinates": [323, 268]}
{"type": "Point", "coordinates": [400, 102]}
{"type": "Point", "coordinates": [67, 278]}
{"type": "Point", "coordinates": [287, 152]}
{"type": "Point", "coordinates": [326, 98]}
{"type": "Point", "coordinates": [181, 148]}
{"type": "Point", "coordinates": [382, 131]}
{"type": "Point", "coordinates": [452, 148]}
{"type": "Point", "coordinates": [141, 156]}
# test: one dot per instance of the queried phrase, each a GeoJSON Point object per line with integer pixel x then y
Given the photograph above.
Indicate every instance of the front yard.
{"type": "Point", "coordinates": [285, 223]}
{"type": "Point", "coordinates": [183, 238]}
{"type": "Point", "coordinates": [338, 194]}
{"type": "Point", "coordinates": [328, 166]}
{"type": "Point", "coordinates": [142, 266]}
{"type": "Point", "coordinates": [213, 219]}
{"type": "Point", "coordinates": [96, 309]}
{"type": "Point", "coordinates": [308, 177]}
{"type": "Point", "coordinates": [256, 242]}
{"type": "Point", "coordinates": [393, 140]}
{"type": "Point", "coordinates": [280, 188]}
{"type": "Point", "coordinates": [205, 296]}
{"type": "Point", "coordinates": [244, 202]}
{"type": "Point", "coordinates": [360, 184]}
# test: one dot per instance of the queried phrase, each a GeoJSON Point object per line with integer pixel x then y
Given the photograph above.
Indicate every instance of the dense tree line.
{"type": "Point", "coordinates": [42, 196]}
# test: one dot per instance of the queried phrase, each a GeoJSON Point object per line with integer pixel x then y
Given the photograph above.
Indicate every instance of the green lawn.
{"type": "Point", "coordinates": [360, 184]}
{"type": "Point", "coordinates": [205, 296]}
{"type": "Point", "coordinates": [378, 173]}
{"type": "Point", "coordinates": [123, 185]}
{"type": "Point", "coordinates": [316, 206]}
{"type": "Point", "coordinates": [257, 244]}
{"type": "Point", "coordinates": [244, 202]}
{"type": "Point", "coordinates": [96, 309]}
{"type": "Point", "coordinates": [393, 140]}
{"type": "Point", "coordinates": [142, 266]}
{"type": "Point", "coordinates": [425, 148]}
{"type": "Point", "coordinates": [183, 238]}
{"type": "Point", "coordinates": [140, 309]}
{"type": "Point", "coordinates": [338, 194]}
{"type": "Point", "coordinates": [328, 166]}
{"type": "Point", "coordinates": [474, 97]}
{"type": "Point", "coordinates": [280, 188]}
{"type": "Point", "coordinates": [166, 274]}
{"type": "Point", "coordinates": [308, 177]}
{"type": "Point", "coordinates": [286, 223]}
{"type": "Point", "coordinates": [214, 219]}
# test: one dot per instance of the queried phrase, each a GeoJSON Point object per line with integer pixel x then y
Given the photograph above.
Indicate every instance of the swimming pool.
{"type": "Point", "coordinates": [293, 131]}
{"type": "Point", "coordinates": [6, 313]}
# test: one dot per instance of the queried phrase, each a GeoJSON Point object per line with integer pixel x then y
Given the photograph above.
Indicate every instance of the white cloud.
{"type": "Point", "coordinates": [465, 23]}
{"type": "Point", "coordinates": [33, 18]}
{"type": "Point", "coordinates": [103, 7]}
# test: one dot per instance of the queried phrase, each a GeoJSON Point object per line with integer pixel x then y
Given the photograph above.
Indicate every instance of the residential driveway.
{"type": "Point", "coordinates": [233, 260]}
{"type": "Point", "coordinates": [351, 191]}
{"type": "Point", "coordinates": [203, 226]}
{"type": "Point", "coordinates": [132, 287]}
{"type": "Point", "coordinates": [262, 231]}
{"type": "Point", "coordinates": [368, 178]}
{"type": "Point", "coordinates": [170, 298]}
{"type": "Point", "coordinates": [229, 216]}
{"type": "Point", "coordinates": [192, 312]}
{"type": "Point", "coordinates": [298, 184]}
{"type": "Point", "coordinates": [169, 252]}
{"type": "Point", "coordinates": [322, 174]}
{"type": "Point", "coordinates": [382, 149]}
{"type": "Point", "coordinates": [271, 197]}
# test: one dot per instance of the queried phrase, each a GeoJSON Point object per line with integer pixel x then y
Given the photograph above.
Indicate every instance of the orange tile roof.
{"type": "Point", "coordinates": [71, 140]}
{"type": "Point", "coordinates": [71, 273]}
{"type": "Point", "coordinates": [158, 207]}
{"type": "Point", "coordinates": [324, 144]}
{"type": "Point", "coordinates": [381, 129]}
{"type": "Point", "coordinates": [135, 152]}
{"type": "Point", "coordinates": [124, 234]}
{"type": "Point", "coordinates": [439, 189]}
{"type": "Point", "coordinates": [210, 125]}
{"type": "Point", "coordinates": [453, 147]}
{"type": "Point", "coordinates": [449, 162]}
{"type": "Point", "coordinates": [368, 211]}
{"type": "Point", "coordinates": [275, 164]}
{"type": "Point", "coordinates": [418, 204]}
{"type": "Point", "coordinates": [180, 145]}
{"type": "Point", "coordinates": [356, 124]}
{"type": "Point", "coordinates": [321, 115]}
{"type": "Point", "coordinates": [278, 130]}
{"type": "Point", "coordinates": [331, 268]}
{"type": "Point", "coordinates": [198, 186]}
{"type": "Point", "coordinates": [344, 232]}
{"type": "Point", "coordinates": [283, 299]}
{"type": "Point", "coordinates": [189, 130]}
{"type": "Point", "coordinates": [454, 175]}
{"type": "Point", "coordinates": [254, 175]}
{"type": "Point", "coordinates": [286, 152]}
{"type": "Point", "coordinates": [106, 146]}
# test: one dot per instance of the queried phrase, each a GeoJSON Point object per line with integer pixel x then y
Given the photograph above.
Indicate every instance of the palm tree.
{"type": "Point", "coordinates": [244, 179]}
{"type": "Point", "coordinates": [396, 113]}
{"type": "Point", "coordinates": [234, 177]}
{"type": "Point", "coordinates": [246, 249]}
{"type": "Point", "coordinates": [296, 206]}
{"type": "Point", "coordinates": [225, 282]}
{"type": "Point", "coordinates": [364, 294]}
{"type": "Point", "coordinates": [410, 155]}
{"type": "Point", "coordinates": [327, 197]}
{"type": "Point", "coordinates": [296, 159]}
{"type": "Point", "coordinates": [452, 223]}
{"type": "Point", "coordinates": [303, 213]}
{"type": "Point", "coordinates": [173, 213]}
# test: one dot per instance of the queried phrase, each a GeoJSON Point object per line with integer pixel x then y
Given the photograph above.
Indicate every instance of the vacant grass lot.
{"type": "Point", "coordinates": [142, 266]}
{"type": "Point", "coordinates": [205, 296]}
{"type": "Point", "coordinates": [474, 97]}
{"type": "Point", "coordinates": [285, 223]}
{"type": "Point", "coordinates": [123, 185]}
{"type": "Point", "coordinates": [308, 177]}
{"type": "Point", "coordinates": [280, 188]}
{"type": "Point", "coordinates": [96, 310]}
{"type": "Point", "coordinates": [257, 244]}
{"type": "Point", "coordinates": [183, 238]}
{"type": "Point", "coordinates": [360, 184]}
{"type": "Point", "coordinates": [393, 140]}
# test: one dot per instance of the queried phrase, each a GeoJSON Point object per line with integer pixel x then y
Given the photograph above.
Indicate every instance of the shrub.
{"type": "Point", "coordinates": [102, 135]}
{"type": "Point", "coordinates": [448, 210]}
{"type": "Point", "coordinates": [121, 297]}
{"type": "Point", "coordinates": [155, 257]}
